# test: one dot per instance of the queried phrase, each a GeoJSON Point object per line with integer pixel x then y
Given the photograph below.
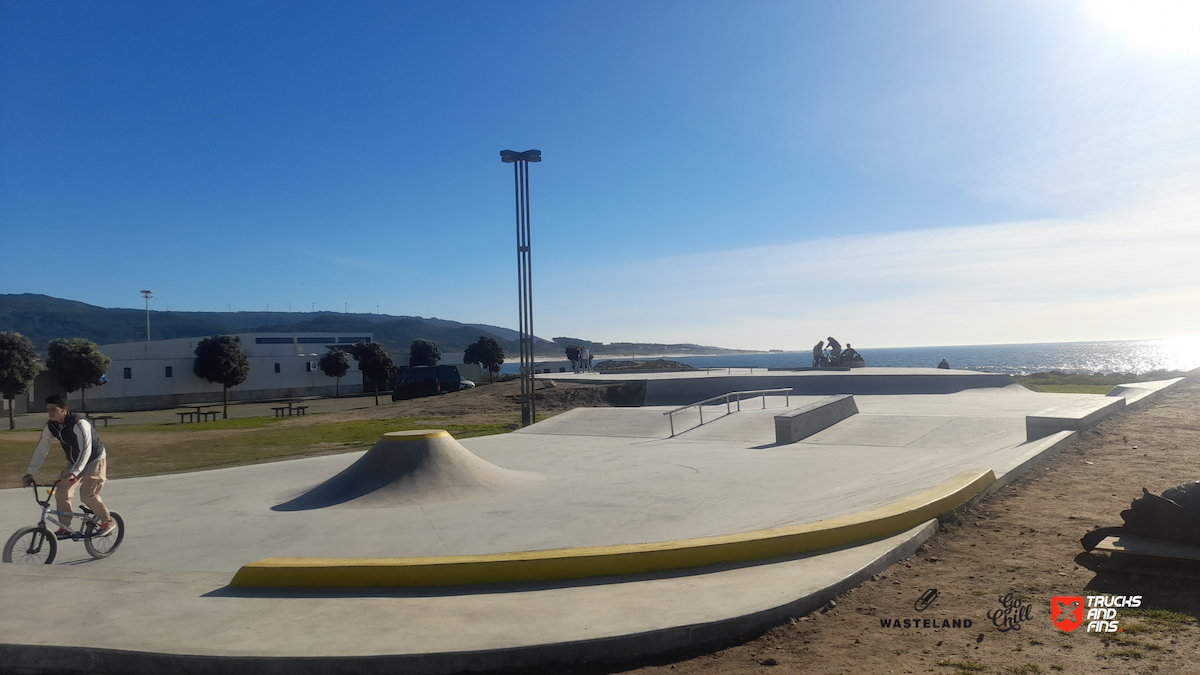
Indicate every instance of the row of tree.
{"type": "Point", "coordinates": [74, 363]}
{"type": "Point", "coordinates": [77, 364]}
{"type": "Point", "coordinates": [375, 362]}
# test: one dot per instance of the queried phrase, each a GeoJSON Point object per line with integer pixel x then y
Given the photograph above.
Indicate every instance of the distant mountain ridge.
{"type": "Point", "coordinates": [42, 318]}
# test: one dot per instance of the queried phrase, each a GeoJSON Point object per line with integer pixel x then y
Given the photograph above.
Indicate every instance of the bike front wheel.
{"type": "Point", "coordinates": [31, 545]}
{"type": "Point", "coordinates": [106, 545]}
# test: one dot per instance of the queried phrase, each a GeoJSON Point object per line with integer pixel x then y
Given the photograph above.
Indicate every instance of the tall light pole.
{"type": "Point", "coordinates": [147, 295]}
{"type": "Point", "coordinates": [520, 162]}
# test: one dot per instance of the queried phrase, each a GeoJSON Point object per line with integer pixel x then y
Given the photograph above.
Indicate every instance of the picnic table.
{"type": "Point", "coordinates": [289, 409]}
{"type": "Point", "coordinates": [102, 418]}
{"type": "Point", "coordinates": [198, 414]}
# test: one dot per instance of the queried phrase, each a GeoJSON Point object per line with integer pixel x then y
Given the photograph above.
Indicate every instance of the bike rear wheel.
{"type": "Point", "coordinates": [104, 546]}
{"type": "Point", "coordinates": [35, 545]}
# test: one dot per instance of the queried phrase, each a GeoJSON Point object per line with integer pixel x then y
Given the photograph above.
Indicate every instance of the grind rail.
{"type": "Point", "coordinates": [729, 399]}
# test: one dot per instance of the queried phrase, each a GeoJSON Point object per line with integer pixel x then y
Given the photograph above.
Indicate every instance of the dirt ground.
{"type": "Point", "coordinates": [1023, 543]}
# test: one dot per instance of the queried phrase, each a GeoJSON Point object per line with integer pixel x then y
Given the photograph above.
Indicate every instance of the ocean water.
{"type": "Point", "coordinates": [1128, 356]}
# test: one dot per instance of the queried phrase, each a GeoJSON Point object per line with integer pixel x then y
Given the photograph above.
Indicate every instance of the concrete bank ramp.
{"type": "Point", "coordinates": [410, 467]}
{"type": "Point", "coordinates": [608, 422]}
{"type": "Point", "coordinates": [1137, 393]}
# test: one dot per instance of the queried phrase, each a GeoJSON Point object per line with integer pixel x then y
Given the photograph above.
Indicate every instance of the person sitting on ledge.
{"type": "Point", "coordinates": [850, 353]}
{"type": "Point", "coordinates": [944, 365]}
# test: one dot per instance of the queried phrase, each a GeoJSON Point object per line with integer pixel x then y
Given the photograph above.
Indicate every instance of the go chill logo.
{"type": "Point", "coordinates": [1099, 612]}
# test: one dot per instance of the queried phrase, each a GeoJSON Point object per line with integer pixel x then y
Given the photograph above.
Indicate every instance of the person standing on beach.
{"type": "Point", "coordinates": [585, 358]}
{"type": "Point", "coordinates": [818, 353]}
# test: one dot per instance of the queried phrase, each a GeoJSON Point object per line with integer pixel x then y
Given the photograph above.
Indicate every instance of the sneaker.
{"type": "Point", "coordinates": [106, 528]}
{"type": "Point", "coordinates": [61, 534]}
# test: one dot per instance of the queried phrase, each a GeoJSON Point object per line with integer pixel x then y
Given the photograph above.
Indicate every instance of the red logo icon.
{"type": "Point", "coordinates": [1066, 611]}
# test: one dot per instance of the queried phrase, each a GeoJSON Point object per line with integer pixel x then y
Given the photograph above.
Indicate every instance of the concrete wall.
{"type": "Point", "coordinates": [685, 390]}
{"type": "Point", "coordinates": [552, 367]}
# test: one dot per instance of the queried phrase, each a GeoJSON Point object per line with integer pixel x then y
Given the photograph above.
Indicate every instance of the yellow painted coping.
{"type": "Point", "coordinates": [598, 561]}
{"type": "Point", "coordinates": [414, 435]}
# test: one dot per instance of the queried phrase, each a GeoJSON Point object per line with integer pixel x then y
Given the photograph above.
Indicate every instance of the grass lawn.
{"type": "Point", "coordinates": [151, 449]}
{"type": "Point", "coordinates": [1096, 383]}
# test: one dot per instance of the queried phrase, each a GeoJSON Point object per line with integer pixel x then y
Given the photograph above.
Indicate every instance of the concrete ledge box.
{"type": "Point", "coordinates": [800, 423]}
{"type": "Point", "coordinates": [1071, 417]}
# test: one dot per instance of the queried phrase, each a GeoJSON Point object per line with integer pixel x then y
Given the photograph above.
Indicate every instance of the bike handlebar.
{"type": "Point", "coordinates": [35, 485]}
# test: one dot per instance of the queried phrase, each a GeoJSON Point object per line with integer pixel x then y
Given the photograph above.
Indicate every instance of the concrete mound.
{"type": "Point", "coordinates": [411, 467]}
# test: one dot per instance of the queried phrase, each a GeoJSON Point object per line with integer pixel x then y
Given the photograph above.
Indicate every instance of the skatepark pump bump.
{"type": "Point", "coordinates": [410, 467]}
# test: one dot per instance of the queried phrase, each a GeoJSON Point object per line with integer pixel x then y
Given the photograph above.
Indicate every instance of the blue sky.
{"type": "Point", "coordinates": [753, 175]}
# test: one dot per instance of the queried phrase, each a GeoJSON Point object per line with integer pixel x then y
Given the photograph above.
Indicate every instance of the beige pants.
{"type": "Point", "coordinates": [89, 484]}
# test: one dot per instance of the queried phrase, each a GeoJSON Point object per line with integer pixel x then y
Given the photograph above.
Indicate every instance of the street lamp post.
{"type": "Point", "coordinates": [147, 295]}
{"type": "Point", "coordinates": [520, 162]}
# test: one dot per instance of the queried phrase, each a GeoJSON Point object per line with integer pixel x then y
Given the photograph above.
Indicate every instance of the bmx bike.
{"type": "Point", "coordinates": [37, 544]}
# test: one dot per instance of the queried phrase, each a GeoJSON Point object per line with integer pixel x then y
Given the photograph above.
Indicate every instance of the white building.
{"type": "Point", "coordinates": [541, 367]}
{"type": "Point", "coordinates": [158, 374]}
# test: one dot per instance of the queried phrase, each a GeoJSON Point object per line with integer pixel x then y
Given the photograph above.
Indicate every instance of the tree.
{"type": "Point", "coordinates": [335, 364]}
{"type": "Point", "coordinates": [487, 352]}
{"type": "Point", "coordinates": [18, 366]}
{"type": "Point", "coordinates": [220, 359]}
{"type": "Point", "coordinates": [77, 365]}
{"type": "Point", "coordinates": [424, 353]}
{"type": "Point", "coordinates": [374, 362]}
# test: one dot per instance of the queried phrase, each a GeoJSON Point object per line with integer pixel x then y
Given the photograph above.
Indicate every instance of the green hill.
{"type": "Point", "coordinates": [42, 318]}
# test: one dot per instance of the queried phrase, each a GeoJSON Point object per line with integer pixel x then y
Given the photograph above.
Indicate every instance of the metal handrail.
{"type": "Point", "coordinates": [699, 405]}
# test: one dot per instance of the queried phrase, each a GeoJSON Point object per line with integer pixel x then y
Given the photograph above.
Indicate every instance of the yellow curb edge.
{"type": "Point", "coordinates": [598, 561]}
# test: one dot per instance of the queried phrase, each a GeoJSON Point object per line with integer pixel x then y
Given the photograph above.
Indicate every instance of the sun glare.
{"type": "Point", "coordinates": [1185, 351]}
{"type": "Point", "coordinates": [1168, 27]}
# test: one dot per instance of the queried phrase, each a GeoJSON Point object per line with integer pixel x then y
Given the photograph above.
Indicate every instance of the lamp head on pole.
{"type": "Point", "coordinates": [509, 156]}
{"type": "Point", "coordinates": [147, 294]}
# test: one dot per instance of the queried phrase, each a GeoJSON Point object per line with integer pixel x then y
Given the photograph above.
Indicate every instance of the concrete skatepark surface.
{"type": "Point", "coordinates": [611, 476]}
